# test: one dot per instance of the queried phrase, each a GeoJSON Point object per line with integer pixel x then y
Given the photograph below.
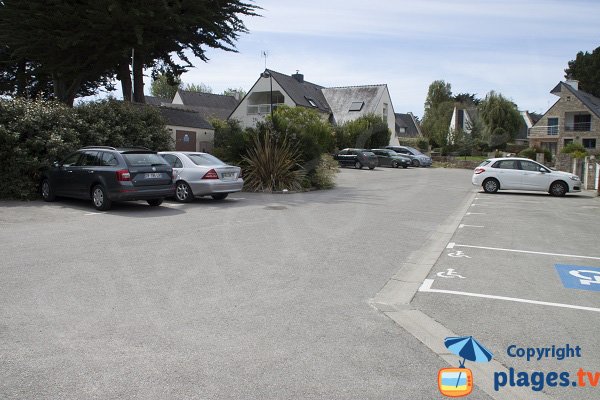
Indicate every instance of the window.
{"type": "Point", "coordinates": [356, 105]}
{"type": "Point", "coordinates": [173, 160]}
{"type": "Point", "coordinates": [385, 112]}
{"type": "Point", "coordinates": [89, 159]}
{"type": "Point", "coordinates": [589, 143]}
{"type": "Point", "coordinates": [311, 101]}
{"type": "Point", "coordinates": [552, 126]}
{"type": "Point", "coordinates": [529, 166]}
{"type": "Point", "coordinates": [71, 160]}
{"type": "Point", "coordinates": [109, 159]}
{"type": "Point", "coordinates": [143, 159]}
{"type": "Point", "coordinates": [204, 159]}
{"type": "Point", "coordinates": [582, 123]}
{"type": "Point", "coordinates": [506, 164]}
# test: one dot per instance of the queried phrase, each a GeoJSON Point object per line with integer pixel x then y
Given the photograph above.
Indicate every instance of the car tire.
{"type": "Point", "coordinates": [154, 202]}
{"type": "Point", "coordinates": [358, 165]}
{"type": "Point", "coordinates": [47, 191]}
{"type": "Point", "coordinates": [558, 189]}
{"type": "Point", "coordinates": [395, 164]}
{"type": "Point", "coordinates": [183, 192]}
{"type": "Point", "coordinates": [405, 166]}
{"type": "Point", "coordinates": [219, 196]}
{"type": "Point", "coordinates": [416, 163]}
{"type": "Point", "coordinates": [491, 185]}
{"type": "Point", "coordinates": [371, 167]}
{"type": "Point", "coordinates": [100, 198]}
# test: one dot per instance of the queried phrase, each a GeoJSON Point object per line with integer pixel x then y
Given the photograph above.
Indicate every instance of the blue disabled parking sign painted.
{"type": "Point", "coordinates": [579, 277]}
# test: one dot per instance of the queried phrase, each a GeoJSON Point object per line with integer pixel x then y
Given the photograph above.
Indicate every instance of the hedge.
{"type": "Point", "coordinates": [33, 134]}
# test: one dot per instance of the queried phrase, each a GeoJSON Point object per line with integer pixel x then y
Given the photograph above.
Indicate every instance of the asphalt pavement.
{"type": "Point", "coordinates": [287, 296]}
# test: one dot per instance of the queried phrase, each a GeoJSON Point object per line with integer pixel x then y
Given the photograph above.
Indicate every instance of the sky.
{"type": "Point", "coordinates": [517, 48]}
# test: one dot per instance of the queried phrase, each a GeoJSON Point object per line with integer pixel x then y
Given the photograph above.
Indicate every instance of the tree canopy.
{"type": "Point", "coordinates": [86, 44]}
{"type": "Point", "coordinates": [501, 119]}
{"type": "Point", "coordinates": [438, 112]}
{"type": "Point", "coordinates": [586, 69]}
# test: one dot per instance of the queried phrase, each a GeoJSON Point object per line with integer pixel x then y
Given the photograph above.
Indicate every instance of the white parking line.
{"type": "Point", "coordinates": [93, 213]}
{"type": "Point", "coordinates": [427, 283]}
{"type": "Point", "coordinates": [524, 251]}
{"type": "Point", "coordinates": [470, 226]}
{"type": "Point", "coordinates": [470, 213]}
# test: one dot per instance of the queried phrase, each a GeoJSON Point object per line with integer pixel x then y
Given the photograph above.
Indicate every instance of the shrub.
{"type": "Point", "coordinates": [576, 150]}
{"type": "Point", "coordinates": [368, 132]}
{"type": "Point", "coordinates": [272, 164]}
{"type": "Point", "coordinates": [531, 152]}
{"type": "Point", "coordinates": [231, 140]}
{"type": "Point", "coordinates": [323, 176]}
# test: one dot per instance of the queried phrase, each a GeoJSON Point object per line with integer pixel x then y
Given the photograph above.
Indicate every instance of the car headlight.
{"type": "Point", "coordinates": [574, 178]}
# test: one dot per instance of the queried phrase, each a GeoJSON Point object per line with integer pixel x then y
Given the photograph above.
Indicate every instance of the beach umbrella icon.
{"type": "Point", "coordinates": [469, 349]}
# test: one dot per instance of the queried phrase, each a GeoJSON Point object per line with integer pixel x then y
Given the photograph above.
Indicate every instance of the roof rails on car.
{"type": "Point", "coordinates": [99, 147]}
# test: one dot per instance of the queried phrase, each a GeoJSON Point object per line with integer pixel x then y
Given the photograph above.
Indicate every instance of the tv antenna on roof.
{"type": "Point", "coordinates": [265, 54]}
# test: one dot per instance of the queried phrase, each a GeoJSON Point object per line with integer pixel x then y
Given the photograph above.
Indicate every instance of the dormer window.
{"type": "Point", "coordinates": [357, 105]}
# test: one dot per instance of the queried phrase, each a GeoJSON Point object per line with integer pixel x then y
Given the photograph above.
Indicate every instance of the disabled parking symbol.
{"type": "Point", "coordinates": [579, 277]}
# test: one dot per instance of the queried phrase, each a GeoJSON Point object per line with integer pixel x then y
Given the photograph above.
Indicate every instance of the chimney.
{"type": "Point", "coordinates": [299, 77]}
{"type": "Point", "coordinates": [573, 83]}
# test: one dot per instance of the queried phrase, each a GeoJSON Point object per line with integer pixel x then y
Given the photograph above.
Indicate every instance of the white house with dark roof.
{"type": "Point", "coordinates": [407, 126]}
{"type": "Point", "coordinates": [337, 105]}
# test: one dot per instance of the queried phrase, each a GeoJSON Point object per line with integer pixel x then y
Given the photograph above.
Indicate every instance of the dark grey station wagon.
{"type": "Point", "coordinates": [106, 174]}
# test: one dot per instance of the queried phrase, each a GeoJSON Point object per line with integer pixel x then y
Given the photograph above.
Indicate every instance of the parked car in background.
{"type": "Point", "coordinates": [106, 174]}
{"type": "Point", "coordinates": [418, 159]}
{"type": "Point", "coordinates": [389, 158]}
{"type": "Point", "coordinates": [512, 173]}
{"type": "Point", "coordinates": [357, 158]}
{"type": "Point", "coordinates": [202, 174]}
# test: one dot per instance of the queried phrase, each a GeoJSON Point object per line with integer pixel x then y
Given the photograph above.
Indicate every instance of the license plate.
{"type": "Point", "coordinates": [228, 175]}
{"type": "Point", "coordinates": [156, 175]}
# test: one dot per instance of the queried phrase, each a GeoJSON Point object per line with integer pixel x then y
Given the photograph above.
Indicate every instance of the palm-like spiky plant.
{"type": "Point", "coordinates": [272, 164]}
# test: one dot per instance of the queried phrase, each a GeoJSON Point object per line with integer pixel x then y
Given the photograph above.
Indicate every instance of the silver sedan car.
{"type": "Point", "coordinates": [201, 174]}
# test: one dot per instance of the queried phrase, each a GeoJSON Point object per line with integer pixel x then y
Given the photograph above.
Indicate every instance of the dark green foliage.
{"type": "Point", "coordinates": [165, 87]}
{"type": "Point", "coordinates": [231, 141]}
{"type": "Point", "coordinates": [586, 69]}
{"type": "Point", "coordinates": [33, 134]}
{"type": "Point", "coordinates": [423, 144]}
{"type": "Point", "coordinates": [576, 150]}
{"type": "Point", "coordinates": [531, 153]}
{"type": "Point", "coordinates": [438, 113]}
{"type": "Point", "coordinates": [367, 132]}
{"type": "Point", "coordinates": [272, 164]}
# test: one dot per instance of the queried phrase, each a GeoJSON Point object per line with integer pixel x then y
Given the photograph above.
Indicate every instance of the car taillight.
{"type": "Point", "coordinates": [123, 175]}
{"type": "Point", "coordinates": [212, 174]}
{"type": "Point", "coordinates": [479, 171]}
{"type": "Point", "coordinates": [240, 174]}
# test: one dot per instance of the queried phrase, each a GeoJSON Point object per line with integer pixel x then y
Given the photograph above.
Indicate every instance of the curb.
{"type": "Point", "coordinates": [394, 299]}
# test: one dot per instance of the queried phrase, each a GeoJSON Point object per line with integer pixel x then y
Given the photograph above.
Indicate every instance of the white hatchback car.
{"type": "Point", "coordinates": [523, 174]}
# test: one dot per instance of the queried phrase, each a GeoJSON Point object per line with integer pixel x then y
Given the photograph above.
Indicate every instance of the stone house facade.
{"type": "Point", "coordinates": [574, 118]}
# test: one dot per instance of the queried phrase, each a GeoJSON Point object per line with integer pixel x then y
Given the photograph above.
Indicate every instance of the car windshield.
{"type": "Point", "coordinates": [143, 159]}
{"type": "Point", "coordinates": [415, 151]}
{"type": "Point", "coordinates": [204, 159]}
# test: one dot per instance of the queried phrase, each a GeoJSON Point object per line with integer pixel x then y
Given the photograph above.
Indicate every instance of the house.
{"type": "Point", "coordinates": [463, 120]}
{"type": "Point", "coordinates": [190, 131]}
{"type": "Point", "coordinates": [208, 105]}
{"type": "Point", "coordinates": [529, 120]}
{"type": "Point", "coordinates": [574, 118]}
{"type": "Point", "coordinates": [337, 105]}
{"type": "Point", "coordinates": [407, 126]}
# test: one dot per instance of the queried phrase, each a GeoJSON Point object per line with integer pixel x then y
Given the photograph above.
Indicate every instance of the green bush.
{"type": "Point", "coordinates": [576, 150]}
{"type": "Point", "coordinates": [324, 174]}
{"type": "Point", "coordinates": [272, 164]}
{"type": "Point", "coordinates": [231, 141]}
{"type": "Point", "coordinates": [367, 132]}
{"type": "Point", "coordinates": [33, 134]}
{"type": "Point", "coordinates": [531, 152]}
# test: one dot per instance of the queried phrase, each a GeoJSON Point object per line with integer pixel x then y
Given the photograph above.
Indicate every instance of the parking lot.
{"type": "Point", "coordinates": [498, 280]}
{"type": "Point", "coordinates": [271, 296]}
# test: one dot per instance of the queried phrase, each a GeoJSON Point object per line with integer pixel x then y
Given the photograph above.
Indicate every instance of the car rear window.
{"type": "Point", "coordinates": [143, 159]}
{"type": "Point", "coordinates": [368, 153]}
{"type": "Point", "coordinates": [204, 159]}
{"type": "Point", "coordinates": [486, 162]}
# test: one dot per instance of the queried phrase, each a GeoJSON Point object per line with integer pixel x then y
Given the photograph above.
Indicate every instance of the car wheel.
{"type": "Point", "coordinates": [154, 202]}
{"type": "Point", "coordinates": [183, 192]}
{"type": "Point", "coordinates": [558, 189]}
{"type": "Point", "coordinates": [100, 199]}
{"type": "Point", "coordinates": [371, 167]}
{"type": "Point", "coordinates": [416, 163]}
{"type": "Point", "coordinates": [394, 164]}
{"type": "Point", "coordinates": [405, 166]}
{"type": "Point", "coordinates": [47, 191]}
{"type": "Point", "coordinates": [491, 185]}
{"type": "Point", "coordinates": [220, 196]}
{"type": "Point", "coordinates": [358, 165]}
